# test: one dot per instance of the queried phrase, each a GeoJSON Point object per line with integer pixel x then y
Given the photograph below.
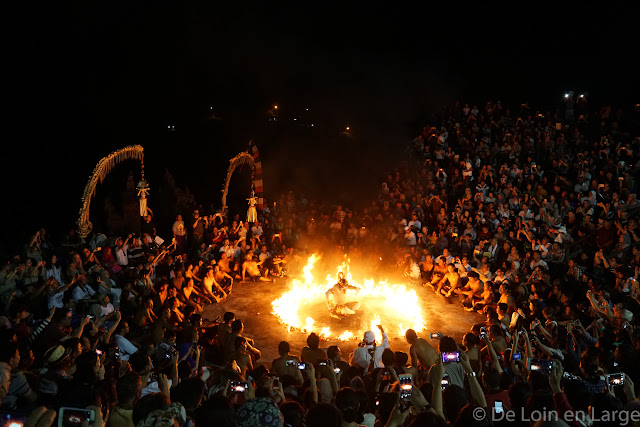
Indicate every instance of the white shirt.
{"type": "Point", "coordinates": [55, 272]}
{"type": "Point", "coordinates": [257, 231]}
{"type": "Point", "coordinates": [153, 388]}
{"type": "Point", "coordinates": [80, 294]}
{"type": "Point", "coordinates": [229, 250]}
{"type": "Point", "coordinates": [410, 238]}
{"type": "Point", "coordinates": [55, 300]}
{"type": "Point", "coordinates": [125, 346]}
{"type": "Point", "coordinates": [361, 356]}
{"type": "Point", "coordinates": [121, 255]}
{"type": "Point", "coordinates": [178, 228]}
{"type": "Point", "coordinates": [105, 311]}
{"type": "Point", "coordinates": [242, 233]}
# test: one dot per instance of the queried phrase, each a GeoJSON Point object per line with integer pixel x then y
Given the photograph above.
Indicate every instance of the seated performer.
{"type": "Point", "coordinates": [339, 307]}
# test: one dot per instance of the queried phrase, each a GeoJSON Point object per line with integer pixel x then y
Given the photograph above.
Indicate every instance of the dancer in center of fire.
{"type": "Point", "coordinates": [339, 306]}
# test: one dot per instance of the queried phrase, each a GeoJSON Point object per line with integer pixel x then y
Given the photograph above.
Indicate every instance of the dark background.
{"type": "Point", "coordinates": [87, 79]}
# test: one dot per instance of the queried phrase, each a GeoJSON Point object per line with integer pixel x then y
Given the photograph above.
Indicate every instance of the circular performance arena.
{"type": "Point", "coordinates": [290, 308]}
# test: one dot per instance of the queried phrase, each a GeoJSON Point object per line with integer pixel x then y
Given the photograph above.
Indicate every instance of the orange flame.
{"type": "Point", "coordinates": [398, 305]}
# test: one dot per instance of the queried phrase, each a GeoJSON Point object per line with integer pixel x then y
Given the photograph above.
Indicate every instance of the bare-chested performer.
{"type": "Point", "coordinates": [450, 282]}
{"type": "Point", "coordinates": [241, 356]}
{"type": "Point", "coordinates": [421, 351]}
{"type": "Point", "coordinates": [223, 279]}
{"type": "Point", "coordinates": [287, 364]}
{"type": "Point", "coordinates": [224, 263]}
{"type": "Point", "coordinates": [472, 291]}
{"type": "Point", "coordinates": [209, 284]}
{"type": "Point", "coordinates": [486, 299]}
{"type": "Point", "coordinates": [439, 271]}
{"type": "Point", "coordinates": [252, 268]}
{"type": "Point", "coordinates": [339, 305]}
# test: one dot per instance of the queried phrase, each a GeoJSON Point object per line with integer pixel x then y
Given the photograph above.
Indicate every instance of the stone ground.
{"type": "Point", "coordinates": [251, 302]}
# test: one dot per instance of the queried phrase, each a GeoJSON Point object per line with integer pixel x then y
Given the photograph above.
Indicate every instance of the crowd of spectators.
{"type": "Point", "coordinates": [529, 218]}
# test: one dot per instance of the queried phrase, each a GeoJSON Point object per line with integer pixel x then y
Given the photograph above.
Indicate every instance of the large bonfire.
{"type": "Point", "coordinates": [393, 305]}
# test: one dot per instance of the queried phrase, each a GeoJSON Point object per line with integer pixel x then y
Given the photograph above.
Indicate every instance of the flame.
{"type": "Point", "coordinates": [346, 336]}
{"type": "Point", "coordinates": [397, 304]}
{"type": "Point", "coordinates": [309, 321]}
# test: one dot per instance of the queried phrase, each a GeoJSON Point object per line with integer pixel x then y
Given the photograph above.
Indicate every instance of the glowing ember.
{"type": "Point", "coordinates": [395, 307]}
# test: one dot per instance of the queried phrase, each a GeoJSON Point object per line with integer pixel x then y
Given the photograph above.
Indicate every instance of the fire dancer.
{"type": "Point", "coordinates": [339, 306]}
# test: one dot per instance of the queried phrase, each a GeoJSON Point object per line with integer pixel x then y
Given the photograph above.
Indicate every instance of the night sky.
{"type": "Point", "coordinates": [87, 79]}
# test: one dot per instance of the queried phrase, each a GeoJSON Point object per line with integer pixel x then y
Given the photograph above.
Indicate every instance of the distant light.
{"type": "Point", "coordinates": [581, 96]}
{"type": "Point", "coordinates": [566, 95]}
{"type": "Point", "coordinates": [347, 127]}
{"type": "Point", "coordinates": [295, 119]}
{"type": "Point", "coordinates": [312, 125]}
{"type": "Point", "coordinates": [275, 107]}
{"type": "Point", "coordinates": [307, 109]}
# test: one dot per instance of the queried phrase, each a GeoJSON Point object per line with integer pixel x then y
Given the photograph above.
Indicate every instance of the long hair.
{"type": "Point", "coordinates": [85, 368]}
{"type": "Point", "coordinates": [348, 403]}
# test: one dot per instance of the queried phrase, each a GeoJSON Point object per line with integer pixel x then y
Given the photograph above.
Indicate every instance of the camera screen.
{"type": "Point", "coordinates": [445, 382]}
{"type": "Point", "coordinates": [616, 379]}
{"type": "Point", "coordinates": [498, 406]}
{"type": "Point", "coordinates": [302, 366]}
{"type": "Point", "coordinates": [237, 387]}
{"type": "Point", "coordinates": [543, 366]}
{"type": "Point", "coordinates": [405, 385]}
{"type": "Point", "coordinates": [74, 417]}
{"type": "Point", "coordinates": [434, 336]}
{"type": "Point", "coordinates": [517, 356]}
{"type": "Point", "coordinates": [450, 356]}
{"type": "Point", "coordinates": [12, 419]}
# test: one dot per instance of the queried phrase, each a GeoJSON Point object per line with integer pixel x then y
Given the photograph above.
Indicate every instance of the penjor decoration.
{"type": "Point", "coordinates": [102, 169]}
{"type": "Point", "coordinates": [250, 157]}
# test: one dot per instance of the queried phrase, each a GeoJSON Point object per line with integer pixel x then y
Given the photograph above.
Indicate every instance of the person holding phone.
{"type": "Point", "coordinates": [287, 364]}
{"type": "Point", "coordinates": [453, 369]}
{"type": "Point", "coordinates": [370, 352]}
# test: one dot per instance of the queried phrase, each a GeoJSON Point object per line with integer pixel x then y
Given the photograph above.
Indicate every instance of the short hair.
{"type": "Point", "coordinates": [333, 351]}
{"type": "Point", "coordinates": [228, 316]}
{"type": "Point", "coordinates": [8, 351]}
{"type": "Point", "coordinates": [401, 358]}
{"type": "Point", "coordinates": [447, 344]}
{"type": "Point", "coordinates": [236, 326]}
{"type": "Point", "coordinates": [388, 357]}
{"type": "Point", "coordinates": [324, 415]}
{"type": "Point", "coordinates": [188, 392]}
{"type": "Point", "coordinates": [472, 338]}
{"type": "Point", "coordinates": [411, 335]}
{"type": "Point", "coordinates": [283, 348]}
{"type": "Point", "coordinates": [313, 341]}
{"type": "Point", "coordinates": [491, 378]}
{"type": "Point", "coordinates": [139, 361]}
{"type": "Point", "coordinates": [148, 404]}
{"type": "Point", "coordinates": [348, 403]}
{"type": "Point", "coordinates": [293, 413]}
{"type": "Point", "coordinates": [128, 387]}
